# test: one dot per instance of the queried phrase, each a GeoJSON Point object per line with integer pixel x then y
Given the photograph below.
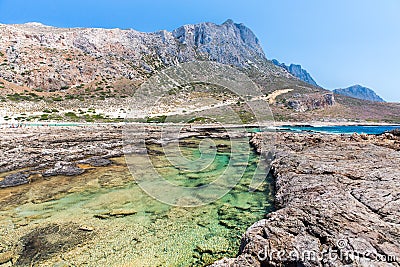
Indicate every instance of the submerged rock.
{"type": "Point", "coordinates": [49, 240]}
{"type": "Point", "coordinates": [6, 257]}
{"type": "Point", "coordinates": [213, 245]}
{"type": "Point", "coordinates": [86, 228]}
{"type": "Point", "coordinates": [116, 213]}
{"type": "Point", "coordinates": [228, 223]}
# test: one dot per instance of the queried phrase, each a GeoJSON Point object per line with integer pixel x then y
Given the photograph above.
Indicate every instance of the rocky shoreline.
{"type": "Point", "coordinates": [333, 193]}
{"type": "Point", "coordinates": [337, 204]}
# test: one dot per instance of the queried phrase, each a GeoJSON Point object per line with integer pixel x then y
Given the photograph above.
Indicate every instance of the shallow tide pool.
{"type": "Point", "coordinates": [103, 218]}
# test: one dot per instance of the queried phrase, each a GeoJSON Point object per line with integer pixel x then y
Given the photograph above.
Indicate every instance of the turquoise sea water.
{"type": "Point", "coordinates": [335, 129]}
{"type": "Point", "coordinates": [341, 129]}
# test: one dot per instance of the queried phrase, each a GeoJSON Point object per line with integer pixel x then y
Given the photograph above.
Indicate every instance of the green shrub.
{"type": "Point", "coordinates": [157, 119]}
{"type": "Point", "coordinates": [57, 98]}
{"type": "Point", "coordinates": [98, 116]}
{"type": "Point", "coordinates": [88, 118]}
{"type": "Point", "coordinates": [18, 97]}
{"type": "Point", "coordinates": [201, 120]}
{"type": "Point", "coordinates": [44, 117]}
{"type": "Point", "coordinates": [71, 115]}
{"type": "Point", "coordinates": [69, 97]}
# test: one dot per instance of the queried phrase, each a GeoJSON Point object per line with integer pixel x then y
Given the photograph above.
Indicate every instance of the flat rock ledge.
{"type": "Point", "coordinates": [15, 179]}
{"type": "Point", "coordinates": [337, 204]}
{"type": "Point", "coordinates": [63, 168]}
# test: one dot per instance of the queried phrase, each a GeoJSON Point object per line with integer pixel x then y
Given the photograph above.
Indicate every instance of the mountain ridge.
{"type": "Point", "coordinates": [102, 67]}
{"type": "Point", "coordinates": [121, 53]}
{"type": "Point", "coordinates": [360, 92]}
{"type": "Point", "coordinates": [297, 71]}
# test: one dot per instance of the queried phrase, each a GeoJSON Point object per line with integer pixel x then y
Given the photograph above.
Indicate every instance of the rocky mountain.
{"type": "Point", "coordinates": [39, 56]}
{"type": "Point", "coordinates": [296, 71]}
{"type": "Point", "coordinates": [360, 92]}
{"type": "Point", "coordinates": [44, 68]}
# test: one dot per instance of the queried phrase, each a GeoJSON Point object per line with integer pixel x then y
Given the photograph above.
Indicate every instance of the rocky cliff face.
{"type": "Point", "coordinates": [360, 92]}
{"type": "Point", "coordinates": [39, 56]}
{"type": "Point", "coordinates": [296, 71]}
{"type": "Point", "coordinates": [214, 42]}
{"type": "Point", "coordinates": [311, 102]}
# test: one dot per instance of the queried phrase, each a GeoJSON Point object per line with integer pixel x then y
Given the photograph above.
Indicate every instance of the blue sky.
{"type": "Point", "coordinates": [340, 42]}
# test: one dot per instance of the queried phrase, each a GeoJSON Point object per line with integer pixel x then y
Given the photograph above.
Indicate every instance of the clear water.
{"type": "Point", "coordinates": [155, 235]}
{"type": "Point", "coordinates": [341, 129]}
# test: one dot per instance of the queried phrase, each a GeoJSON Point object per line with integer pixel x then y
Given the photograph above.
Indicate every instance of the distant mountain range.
{"type": "Point", "coordinates": [297, 71]}
{"type": "Point", "coordinates": [355, 91]}
{"type": "Point", "coordinates": [360, 92]}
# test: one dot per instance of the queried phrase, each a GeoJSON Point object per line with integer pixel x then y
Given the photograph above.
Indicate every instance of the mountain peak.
{"type": "Point", "coordinates": [228, 22]}
{"type": "Point", "coordinates": [360, 92]}
{"type": "Point", "coordinates": [212, 39]}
